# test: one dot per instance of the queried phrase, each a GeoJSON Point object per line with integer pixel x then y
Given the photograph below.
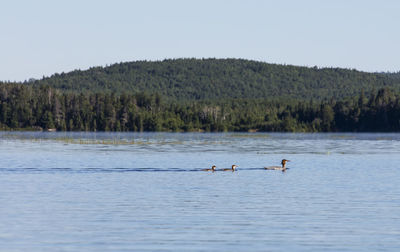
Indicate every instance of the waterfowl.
{"type": "Point", "coordinates": [231, 169]}
{"type": "Point", "coordinates": [212, 169]}
{"type": "Point", "coordinates": [280, 168]}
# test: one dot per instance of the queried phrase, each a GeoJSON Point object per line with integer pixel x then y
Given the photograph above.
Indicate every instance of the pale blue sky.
{"type": "Point", "coordinates": [43, 37]}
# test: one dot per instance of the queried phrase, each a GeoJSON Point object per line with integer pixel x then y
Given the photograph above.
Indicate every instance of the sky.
{"type": "Point", "coordinates": [42, 37]}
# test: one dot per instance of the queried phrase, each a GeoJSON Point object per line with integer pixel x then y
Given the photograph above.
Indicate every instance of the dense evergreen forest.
{"type": "Point", "coordinates": [44, 107]}
{"type": "Point", "coordinates": [214, 79]}
{"type": "Point", "coordinates": [204, 95]}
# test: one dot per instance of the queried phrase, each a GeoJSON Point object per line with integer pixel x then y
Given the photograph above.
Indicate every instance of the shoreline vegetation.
{"type": "Point", "coordinates": [209, 95]}
{"type": "Point", "coordinates": [28, 108]}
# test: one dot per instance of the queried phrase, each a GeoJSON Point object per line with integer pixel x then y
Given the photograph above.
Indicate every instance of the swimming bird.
{"type": "Point", "coordinates": [212, 169]}
{"type": "Point", "coordinates": [280, 168]}
{"type": "Point", "coordinates": [231, 169]}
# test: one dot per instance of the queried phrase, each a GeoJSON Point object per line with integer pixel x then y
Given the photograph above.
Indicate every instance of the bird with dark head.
{"type": "Point", "coordinates": [212, 169]}
{"type": "Point", "coordinates": [283, 163]}
{"type": "Point", "coordinates": [280, 168]}
{"type": "Point", "coordinates": [231, 169]}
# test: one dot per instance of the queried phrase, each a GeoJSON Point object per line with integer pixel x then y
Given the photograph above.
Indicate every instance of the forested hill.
{"type": "Point", "coordinates": [213, 79]}
{"type": "Point", "coordinates": [393, 75]}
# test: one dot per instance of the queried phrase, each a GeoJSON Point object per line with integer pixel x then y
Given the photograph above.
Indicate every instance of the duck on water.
{"type": "Point", "coordinates": [280, 168]}
{"type": "Point", "coordinates": [212, 169]}
{"type": "Point", "coordinates": [231, 169]}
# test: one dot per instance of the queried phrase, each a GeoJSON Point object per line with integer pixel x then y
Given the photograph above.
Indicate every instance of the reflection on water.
{"type": "Point", "coordinates": [145, 192]}
{"type": "Point", "coordinates": [317, 143]}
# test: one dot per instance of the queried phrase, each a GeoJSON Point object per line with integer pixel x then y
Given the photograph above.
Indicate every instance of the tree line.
{"type": "Point", "coordinates": [43, 107]}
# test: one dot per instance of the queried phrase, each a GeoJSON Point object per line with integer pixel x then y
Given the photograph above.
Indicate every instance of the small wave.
{"type": "Point", "coordinates": [109, 170]}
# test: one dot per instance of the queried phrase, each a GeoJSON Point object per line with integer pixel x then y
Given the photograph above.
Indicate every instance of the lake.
{"type": "Point", "coordinates": [145, 192]}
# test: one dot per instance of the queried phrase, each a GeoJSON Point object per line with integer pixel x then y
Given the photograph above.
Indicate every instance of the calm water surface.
{"type": "Point", "coordinates": [144, 192]}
